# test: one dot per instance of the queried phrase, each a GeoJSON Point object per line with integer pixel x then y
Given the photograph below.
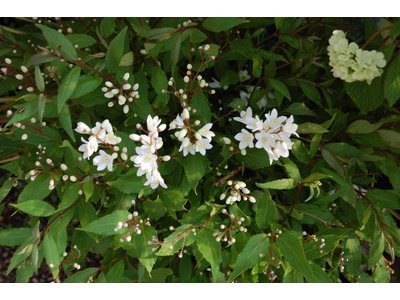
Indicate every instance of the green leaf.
{"type": "Point", "coordinates": [332, 160]}
{"type": "Point", "coordinates": [250, 256]}
{"type": "Point", "coordinates": [376, 250]}
{"type": "Point", "coordinates": [315, 177]}
{"type": "Point", "coordinates": [51, 253]}
{"type": "Point", "coordinates": [37, 59]}
{"type": "Point", "coordinates": [85, 85]}
{"type": "Point", "coordinates": [106, 224]}
{"type": "Point", "coordinates": [37, 189]}
{"type": "Point", "coordinates": [310, 91]}
{"type": "Point", "coordinates": [175, 49]}
{"type": "Point", "coordinates": [202, 106]}
{"type": "Point", "coordinates": [366, 97]}
{"type": "Point", "coordinates": [70, 195]}
{"type": "Point", "coordinates": [384, 198]}
{"type": "Point", "coordinates": [115, 273]}
{"type": "Point", "coordinates": [391, 137]}
{"type": "Point", "coordinates": [320, 275]}
{"type": "Point", "coordinates": [176, 239]}
{"type": "Point", "coordinates": [68, 86]}
{"type": "Point", "coordinates": [195, 168]}
{"type": "Point", "coordinates": [154, 209]}
{"type": "Point", "coordinates": [210, 248]}
{"type": "Point", "coordinates": [35, 208]}
{"type": "Point", "coordinates": [115, 51]}
{"type": "Point", "coordinates": [266, 211]}
{"type": "Point", "coordinates": [54, 38]}
{"type": "Point", "coordinates": [41, 106]}
{"type": "Point", "coordinates": [243, 47]}
{"type": "Point", "coordinates": [395, 30]}
{"type": "Point", "coordinates": [127, 59]}
{"type": "Point", "coordinates": [278, 22]}
{"type": "Point", "coordinates": [218, 24]}
{"type": "Point", "coordinates": [7, 186]}
{"type": "Point", "coordinates": [292, 170]}
{"type": "Point", "coordinates": [310, 128]}
{"type": "Point", "coordinates": [196, 216]}
{"type": "Point", "coordinates": [14, 236]}
{"type": "Point", "coordinates": [185, 268]}
{"type": "Point", "coordinates": [392, 81]}
{"type": "Point", "coordinates": [39, 79]}
{"type": "Point", "coordinates": [293, 277]}
{"type": "Point", "coordinates": [159, 82]}
{"type": "Point", "coordinates": [65, 119]}
{"type": "Point", "coordinates": [299, 109]}
{"type": "Point", "coordinates": [88, 189]}
{"type": "Point", "coordinates": [362, 127]}
{"type": "Point", "coordinates": [81, 276]}
{"type": "Point", "coordinates": [255, 158]}
{"type": "Point", "coordinates": [172, 197]}
{"type": "Point", "coordinates": [352, 254]}
{"type": "Point", "coordinates": [294, 253]}
{"type": "Point", "coordinates": [280, 184]}
{"type": "Point", "coordinates": [9, 146]}
{"type": "Point", "coordinates": [143, 250]}
{"type": "Point", "coordinates": [31, 108]}
{"type": "Point", "coordinates": [87, 213]}
{"type": "Point", "coordinates": [129, 183]}
{"type": "Point", "coordinates": [280, 87]}
{"type": "Point", "coordinates": [82, 40]}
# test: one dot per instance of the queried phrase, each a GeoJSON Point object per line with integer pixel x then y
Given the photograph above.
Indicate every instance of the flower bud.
{"type": "Point", "coordinates": [24, 69]}
{"type": "Point", "coordinates": [185, 79]}
{"type": "Point", "coordinates": [135, 86]}
{"type": "Point", "coordinates": [109, 84]}
{"type": "Point", "coordinates": [8, 61]}
{"type": "Point", "coordinates": [24, 136]}
{"type": "Point", "coordinates": [125, 109]}
{"type": "Point", "coordinates": [166, 158]}
{"type": "Point", "coordinates": [72, 178]}
{"type": "Point", "coordinates": [19, 76]}
{"type": "Point", "coordinates": [126, 76]}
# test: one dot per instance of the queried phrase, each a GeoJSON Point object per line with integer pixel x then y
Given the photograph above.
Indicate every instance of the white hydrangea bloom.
{"type": "Point", "coordinates": [350, 63]}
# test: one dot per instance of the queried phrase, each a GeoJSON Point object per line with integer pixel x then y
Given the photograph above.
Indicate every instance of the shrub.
{"type": "Point", "coordinates": [202, 149]}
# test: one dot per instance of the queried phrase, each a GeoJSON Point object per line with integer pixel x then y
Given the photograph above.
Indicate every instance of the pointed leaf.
{"type": "Point", "coordinates": [68, 86]}
{"type": "Point", "coordinates": [250, 256]}
{"type": "Point", "coordinates": [35, 208]}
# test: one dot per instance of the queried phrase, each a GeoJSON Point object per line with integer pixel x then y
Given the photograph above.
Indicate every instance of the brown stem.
{"type": "Point", "coordinates": [374, 36]}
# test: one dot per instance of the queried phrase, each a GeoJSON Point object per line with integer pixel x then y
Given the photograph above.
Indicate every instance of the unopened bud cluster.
{"type": "Point", "coordinates": [124, 94]}
{"type": "Point", "coordinates": [132, 223]}
{"type": "Point", "coordinates": [235, 220]}
{"type": "Point", "coordinates": [320, 242]}
{"type": "Point", "coordinates": [350, 63]}
{"type": "Point", "coordinates": [238, 191]}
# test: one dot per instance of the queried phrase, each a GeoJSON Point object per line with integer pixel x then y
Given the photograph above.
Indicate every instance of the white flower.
{"type": "Point", "coordinates": [206, 132]}
{"type": "Point", "coordinates": [185, 114]}
{"type": "Point", "coordinates": [243, 75]}
{"type": "Point", "coordinates": [187, 149]}
{"type": "Point", "coordinates": [89, 147]}
{"type": "Point", "coordinates": [246, 116]}
{"type": "Point", "coordinates": [99, 131]}
{"type": "Point", "coordinates": [255, 124]}
{"type": "Point", "coordinates": [152, 123]}
{"type": "Point", "coordinates": [265, 140]}
{"type": "Point", "coordinates": [245, 138]}
{"type": "Point", "coordinates": [154, 179]}
{"type": "Point", "coordinates": [107, 126]}
{"type": "Point", "coordinates": [111, 139]}
{"type": "Point", "coordinates": [103, 161]}
{"type": "Point", "coordinates": [215, 84]}
{"type": "Point", "coordinates": [290, 127]}
{"type": "Point", "coordinates": [273, 121]}
{"type": "Point", "coordinates": [203, 145]}
{"type": "Point", "coordinates": [177, 123]}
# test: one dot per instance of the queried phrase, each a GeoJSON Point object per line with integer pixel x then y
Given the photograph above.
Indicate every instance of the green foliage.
{"type": "Point", "coordinates": [302, 208]}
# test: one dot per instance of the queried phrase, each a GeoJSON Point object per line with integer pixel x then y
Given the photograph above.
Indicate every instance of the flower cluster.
{"type": "Point", "coordinates": [102, 133]}
{"type": "Point", "coordinates": [273, 134]}
{"type": "Point", "coordinates": [238, 192]}
{"type": "Point", "coordinates": [147, 158]}
{"type": "Point", "coordinates": [132, 223]}
{"type": "Point", "coordinates": [350, 63]}
{"type": "Point", "coordinates": [235, 221]}
{"type": "Point", "coordinates": [125, 94]}
{"type": "Point", "coordinates": [192, 140]}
